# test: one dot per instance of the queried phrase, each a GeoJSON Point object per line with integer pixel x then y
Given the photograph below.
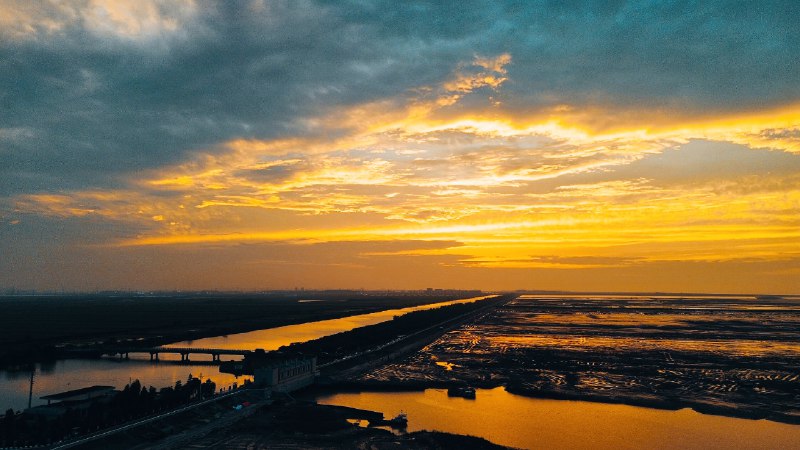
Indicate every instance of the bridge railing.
{"type": "Point", "coordinates": [178, 350]}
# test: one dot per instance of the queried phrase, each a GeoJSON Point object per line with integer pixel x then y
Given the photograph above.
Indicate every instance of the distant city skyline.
{"type": "Point", "coordinates": [198, 145]}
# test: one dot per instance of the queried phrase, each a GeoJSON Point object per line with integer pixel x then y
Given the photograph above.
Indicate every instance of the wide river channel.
{"type": "Point", "coordinates": [68, 374]}
{"type": "Point", "coordinates": [523, 422]}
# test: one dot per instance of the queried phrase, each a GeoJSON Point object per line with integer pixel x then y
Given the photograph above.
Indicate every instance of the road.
{"type": "Point", "coordinates": [430, 333]}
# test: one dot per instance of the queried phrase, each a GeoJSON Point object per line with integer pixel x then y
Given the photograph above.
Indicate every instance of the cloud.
{"type": "Point", "coordinates": [453, 180]}
{"type": "Point", "coordinates": [106, 89]}
{"type": "Point", "coordinates": [100, 110]}
{"type": "Point", "coordinates": [591, 136]}
{"type": "Point", "coordinates": [127, 20]}
{"type": "Point", "coordinates": [663, 55]}
{"type": "Point", "coordinates": [555, 262]}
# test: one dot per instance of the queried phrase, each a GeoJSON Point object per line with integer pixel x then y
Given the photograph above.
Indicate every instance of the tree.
{"type": "Point", "coordinates": [8, 428]}
{"type": "Point", "coordinates": [208, 388]}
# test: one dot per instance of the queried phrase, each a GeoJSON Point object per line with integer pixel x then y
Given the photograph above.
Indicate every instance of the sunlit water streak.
{"type": "Point", "coordinates": [523, 422]}
{"type": "Point", "coordinates": [274, 338]}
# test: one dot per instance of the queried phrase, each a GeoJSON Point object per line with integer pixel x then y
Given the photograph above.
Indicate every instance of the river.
{"type": "Point", "coordinates": [64, 375]}
{"type": "Point", "coordinates": [274, 338]}
{"type": "Point", "coordinates": [523, 422]}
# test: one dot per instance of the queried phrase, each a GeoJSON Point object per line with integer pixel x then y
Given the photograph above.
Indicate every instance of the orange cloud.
{"type": "Point", "coordinates": [512, 191]}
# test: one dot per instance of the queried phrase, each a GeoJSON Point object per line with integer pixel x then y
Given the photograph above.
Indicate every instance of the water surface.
{"type": "Point", "coordinates": [274, 338]}
{"type": "Point", "coordinates": [523, 422]}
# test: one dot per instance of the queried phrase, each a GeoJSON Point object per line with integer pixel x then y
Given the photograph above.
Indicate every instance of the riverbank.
{"type": "Point", "coordinates": [304, 425]}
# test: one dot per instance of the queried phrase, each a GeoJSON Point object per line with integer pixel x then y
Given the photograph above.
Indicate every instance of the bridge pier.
{"type": "Point", "coordinates": [123, 353]}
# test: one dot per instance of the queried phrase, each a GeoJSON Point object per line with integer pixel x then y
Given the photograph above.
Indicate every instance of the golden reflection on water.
{"type": "Point", "coordinates": [274, 338]}
{"type": "Point", "coordinates": [613, 343]}
{"type": "Point", "coordinates": [447, 365]}
{"type": "Point", "coordinates": [522, 422]}
{"type": "Point", "coordinates": [616, 319]}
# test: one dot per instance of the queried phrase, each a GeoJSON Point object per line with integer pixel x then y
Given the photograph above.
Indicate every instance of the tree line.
{"type": "Point", "coordinates": [132, 402]}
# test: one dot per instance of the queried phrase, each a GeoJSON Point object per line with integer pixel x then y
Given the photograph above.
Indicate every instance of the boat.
{"type": "Point", "coordinates": [399, 421]}
{"type": "Point", "coordinates": [461, 391]}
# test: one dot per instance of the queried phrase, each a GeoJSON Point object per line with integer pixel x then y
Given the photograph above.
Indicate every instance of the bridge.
{"type": "Point", "coordinates": [215, 353]}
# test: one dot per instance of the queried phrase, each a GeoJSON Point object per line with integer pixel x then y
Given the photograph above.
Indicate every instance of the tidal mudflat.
{"type": "Point", "coordinates": [734, 356]}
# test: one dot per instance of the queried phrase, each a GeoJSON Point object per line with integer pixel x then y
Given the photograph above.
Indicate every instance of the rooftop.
{"type": "Point", "coordinates": [81, 391]}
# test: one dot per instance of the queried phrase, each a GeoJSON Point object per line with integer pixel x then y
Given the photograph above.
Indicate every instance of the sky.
{"type": "Point", "coordinates": [564, 145]}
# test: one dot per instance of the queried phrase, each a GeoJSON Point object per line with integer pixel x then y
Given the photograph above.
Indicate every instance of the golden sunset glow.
{"type": "Point", "coordinates": [467, 171]}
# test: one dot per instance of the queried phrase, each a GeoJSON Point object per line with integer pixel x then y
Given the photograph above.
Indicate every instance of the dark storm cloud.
{"type": "Point", "coordinates": [695, 55]}
{"type": "Point", "coordinates": [86, 110]}
{"type": "Point", "coordinates": [81, 109]}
